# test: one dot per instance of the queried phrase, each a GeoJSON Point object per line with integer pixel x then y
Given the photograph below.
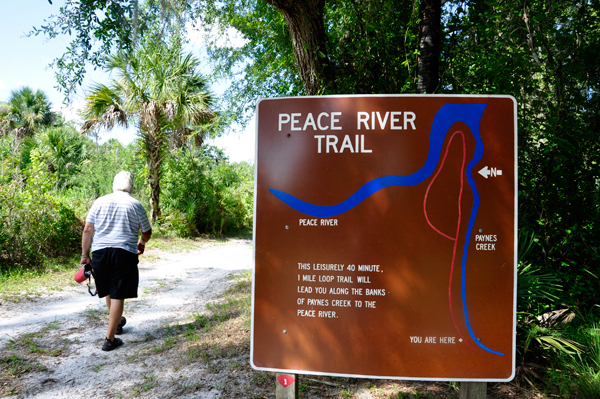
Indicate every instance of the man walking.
{"type": "Point", "coordinates": [111, 232]}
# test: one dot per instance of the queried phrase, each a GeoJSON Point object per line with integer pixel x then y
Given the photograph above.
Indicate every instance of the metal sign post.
{"type": "Point", "coordinates": [385, 237]}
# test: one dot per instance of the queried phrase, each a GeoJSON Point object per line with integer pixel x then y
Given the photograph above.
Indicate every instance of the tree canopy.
{"type": "Point", "coordinates": [365, 47]}
{"type": "Point", "coordinates": [101, 27]}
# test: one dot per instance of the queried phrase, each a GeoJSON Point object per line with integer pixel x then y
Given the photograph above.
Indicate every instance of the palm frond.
{"type": "Point", "coordinates": [103, 108]}
{"type": "Point", "coordinates": [564, 345]}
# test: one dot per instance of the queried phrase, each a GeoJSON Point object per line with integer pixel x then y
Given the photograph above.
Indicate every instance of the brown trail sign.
{"type": "Point", "coordinates": [385, 230]}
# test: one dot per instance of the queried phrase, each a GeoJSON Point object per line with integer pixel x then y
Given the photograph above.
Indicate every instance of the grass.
{"type": "Point", "coordinates": [20, 283]}
{"type": "Point", "coordinates": [31, 342]}
{"type": "Point", "coordinates": [577, 375]}
{"type": "Point", "coordinates": [165, 345]}
{"type": "Point", "coordinates": [21, 354]}
{"type": "Point", "coordinates": [96, 368]}
{"type": "Point", "coordinates": [148, 383]}
{"type": "Point", "coordinates": [563, 358]}
{"type": "Point", "coordinates": [177, 245]}
{"type": "Point", "coordinates": [12, 368]}
{"type": "Point", "coordinates": [149, 257]}
{"type": "Point", "coordinates": [16, 365]}
{"type": "Point", "coordinates": [134, 357]}
{"type": "Point", "coordinates": [192, 387]}
{"type": "Point", "coordinates": [96, 316]}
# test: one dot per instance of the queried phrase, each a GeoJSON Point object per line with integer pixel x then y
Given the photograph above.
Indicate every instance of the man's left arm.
{"type": "Point", "coordinates": [143, 240]}
{"type": "Point", "coordinates": [145, 227]}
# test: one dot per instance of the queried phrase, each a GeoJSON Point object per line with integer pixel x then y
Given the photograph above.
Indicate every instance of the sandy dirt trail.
{"type": "Point", "coordinates": [171, 290]}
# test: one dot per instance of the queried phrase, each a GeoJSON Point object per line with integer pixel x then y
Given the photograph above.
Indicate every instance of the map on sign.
{"type": "Point", "coordinates": [385, 236]}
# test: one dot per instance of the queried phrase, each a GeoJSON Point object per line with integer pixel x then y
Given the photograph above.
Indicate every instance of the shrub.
{"type": "Point", "coordinates": [34, 222]}
{"type": "Point", "coordinates": [203, 193]}
{"type": "Point", "coordinates": [95, 175]}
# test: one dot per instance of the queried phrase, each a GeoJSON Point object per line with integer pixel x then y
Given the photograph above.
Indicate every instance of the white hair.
{"type": "Point", "coordinates": [123, 182]}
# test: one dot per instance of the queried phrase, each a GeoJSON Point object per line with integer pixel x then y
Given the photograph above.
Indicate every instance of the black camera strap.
{"type": "Point", "coordinates": [90, 290]}
{"type": "Point", "coordinates": [88, 282]}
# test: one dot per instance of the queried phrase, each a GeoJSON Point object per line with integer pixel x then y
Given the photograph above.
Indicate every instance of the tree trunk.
{"type": "Point", "coordinates": [154, 183]}
{"type": "Point", "coordinates": [429, 45]}
{"type": "Point", "coordinates": [154, 156]}
{"type": "Point", "coordinates": [304, 19]}
{"type": "Point", "coordinates": [151, 119]}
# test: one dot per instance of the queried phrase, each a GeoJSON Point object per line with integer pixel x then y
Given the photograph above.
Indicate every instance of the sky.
{"type": "Point", "coordinates": [24, 61]}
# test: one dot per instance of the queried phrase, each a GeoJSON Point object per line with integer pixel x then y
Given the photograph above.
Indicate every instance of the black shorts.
{"type": "Point", "coordinates": [116, 273]}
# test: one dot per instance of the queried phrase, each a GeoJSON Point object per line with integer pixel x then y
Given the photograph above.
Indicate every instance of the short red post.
{"type": "Point", "coordinates": [287, 386]}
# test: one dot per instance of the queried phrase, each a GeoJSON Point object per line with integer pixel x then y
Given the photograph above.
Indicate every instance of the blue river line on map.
{"type": "Point", "coordinates": [448, 114]}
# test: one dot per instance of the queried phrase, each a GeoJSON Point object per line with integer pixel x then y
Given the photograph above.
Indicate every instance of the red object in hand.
{"type": "Point", "coordinates": [83, 273]}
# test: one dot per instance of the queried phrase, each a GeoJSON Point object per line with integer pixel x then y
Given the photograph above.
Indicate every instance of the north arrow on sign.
{"type": "Point", "coordinates": [485, 172]}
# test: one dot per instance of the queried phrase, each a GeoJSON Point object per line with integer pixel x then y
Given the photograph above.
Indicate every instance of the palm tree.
{"type": "Point", "coordinates": [158, 88]}
{"type": "Point", "coordinates": [63, 148]}
{"type": "Point", "coordinates": [25, 112]}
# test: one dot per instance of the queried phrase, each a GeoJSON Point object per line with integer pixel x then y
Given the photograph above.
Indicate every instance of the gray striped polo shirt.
{"type": "Point", "coordinates": [117, 219]}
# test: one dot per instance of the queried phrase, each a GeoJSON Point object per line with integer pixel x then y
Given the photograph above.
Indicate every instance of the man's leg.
{"type": "Point", "coordinates": [115, 309]}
